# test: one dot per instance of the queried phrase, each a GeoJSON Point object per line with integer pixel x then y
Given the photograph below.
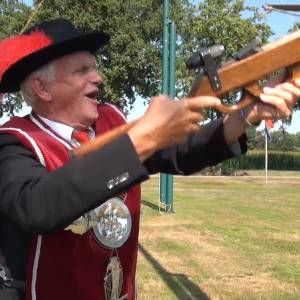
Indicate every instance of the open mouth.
{"type": "Point", "coordinates": [92, 95]}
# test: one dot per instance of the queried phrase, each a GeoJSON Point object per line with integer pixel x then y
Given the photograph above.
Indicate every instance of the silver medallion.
{"type": "Point", "coordinates": [111, 223]}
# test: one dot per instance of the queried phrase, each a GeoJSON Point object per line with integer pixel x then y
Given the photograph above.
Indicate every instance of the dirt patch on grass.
{"type": "Point", "coordinates": [213, 268]}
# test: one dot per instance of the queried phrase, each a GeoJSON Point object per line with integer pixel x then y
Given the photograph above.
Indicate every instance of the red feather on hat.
{"type": "Point", "coordinates": [17, 47]}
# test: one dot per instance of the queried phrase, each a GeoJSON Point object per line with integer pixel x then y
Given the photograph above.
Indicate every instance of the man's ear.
{"type": "Point", "coordinates": [41, 89]}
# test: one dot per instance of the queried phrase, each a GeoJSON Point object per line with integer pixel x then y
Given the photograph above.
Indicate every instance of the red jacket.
{"type": "Point", "coordinates": [64, 265]}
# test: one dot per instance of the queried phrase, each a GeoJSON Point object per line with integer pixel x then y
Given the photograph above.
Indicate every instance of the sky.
{"type": "Point", "coordinates": [279, 23]}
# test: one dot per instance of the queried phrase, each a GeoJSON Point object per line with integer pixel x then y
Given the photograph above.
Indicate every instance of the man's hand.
{"type": "Point", "coordinates": [168, 122]}
{"type": "Point", "coordinates": [276, 103]}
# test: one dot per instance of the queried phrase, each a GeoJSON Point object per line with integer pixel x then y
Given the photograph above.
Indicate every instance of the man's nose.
{"type": "Point", "coordinates": [96, 78]}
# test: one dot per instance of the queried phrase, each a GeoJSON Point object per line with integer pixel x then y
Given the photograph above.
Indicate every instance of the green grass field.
{"type": "Point", "coordinates": [229, 238]}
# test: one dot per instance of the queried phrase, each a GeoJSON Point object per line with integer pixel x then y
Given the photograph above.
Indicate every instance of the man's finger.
{"type": "Point", "coordinates": [281, 106]}
{"type": "Point", "coordinates": [284, 93]}
{"type": "Point", "coordinates": [196, 116]}
{"type": "Point", "coordinates": [201, 102]}
{"type": "Point", "coordinates": [292, 89]}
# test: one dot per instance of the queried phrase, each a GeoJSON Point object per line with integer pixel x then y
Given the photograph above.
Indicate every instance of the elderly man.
{"type": "Point", "coordinates": [43, 191]}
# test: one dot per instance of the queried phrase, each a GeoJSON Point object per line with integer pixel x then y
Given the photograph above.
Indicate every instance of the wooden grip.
{"type": "Point", "coordinates": [101, 140]}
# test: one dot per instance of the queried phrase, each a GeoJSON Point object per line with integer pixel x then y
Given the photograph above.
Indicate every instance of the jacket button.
{"type": "Point", "coordinates": [124, 177]}
{"type": "Point", "coordinates": [111, 184]}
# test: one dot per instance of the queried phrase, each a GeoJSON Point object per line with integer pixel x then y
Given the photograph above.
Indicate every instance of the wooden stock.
{"type": "Point", "coordinates": [101, 140]}
{"type": "Point", "coordinates": [245, 74]}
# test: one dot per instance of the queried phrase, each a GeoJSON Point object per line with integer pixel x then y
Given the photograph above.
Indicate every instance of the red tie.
{"type": "Point", "coordinates": [81, 136]}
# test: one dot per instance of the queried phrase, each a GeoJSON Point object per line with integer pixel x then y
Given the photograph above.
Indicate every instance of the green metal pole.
{"type": "Point", "coordinates": [165, 80]}
{"type": "Point", "coordinates": [165, 70]}
{"type": "Point", "coordinates": [172, 78]}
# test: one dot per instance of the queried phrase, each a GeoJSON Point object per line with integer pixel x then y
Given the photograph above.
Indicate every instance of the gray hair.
{"type": "Point", "coordinates": [46, 73]}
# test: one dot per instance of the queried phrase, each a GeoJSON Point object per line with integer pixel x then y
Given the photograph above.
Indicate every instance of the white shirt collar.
{"type": "Point", "coordinates": [65, 131]}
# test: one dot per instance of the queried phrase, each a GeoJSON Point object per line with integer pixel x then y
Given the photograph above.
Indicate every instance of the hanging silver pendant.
{"type": "Point", "coordinates": [111, 223]}
{"type": "Point", "coordinates": [113, 280]}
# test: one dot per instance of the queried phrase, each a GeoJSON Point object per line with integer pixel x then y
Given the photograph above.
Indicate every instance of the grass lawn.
{"type": "Point", "coordinates": [229, 238]}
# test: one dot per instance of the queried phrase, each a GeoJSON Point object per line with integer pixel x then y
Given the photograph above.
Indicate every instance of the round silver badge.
{"type": "Point", "coordinates": [113, 224]}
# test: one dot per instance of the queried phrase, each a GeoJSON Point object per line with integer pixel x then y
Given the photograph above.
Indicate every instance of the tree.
{"type": "Point", "coordinates": [13, 17]}
{"type": "Point", "coordinates": [284, 141]}
{"type": "Point", "coordinates": [281, 140]}
{"type": "Point", "coordinates": [252, 138]}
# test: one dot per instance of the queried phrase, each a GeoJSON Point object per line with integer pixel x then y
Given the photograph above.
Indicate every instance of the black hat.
{"type": "Point", "coordinates": [21, 55]}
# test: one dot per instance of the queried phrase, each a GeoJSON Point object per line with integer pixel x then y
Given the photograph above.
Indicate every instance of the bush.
{"type": "Point", "coordinates": [255, 160]}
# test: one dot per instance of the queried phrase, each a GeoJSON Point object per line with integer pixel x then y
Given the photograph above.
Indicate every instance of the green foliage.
{"type": "Point", "coordinates": [295, 27]}
{"type": "Point", "coordinates": [221, 22]}
{"type": "Point", "coordinates": [283, 154]}
{"type": "Point", "coordinates": [255, 160]}
{"type": "Point", "coordinates": [281, 140]}
{"type": "Point", "coordinates": [285, 141]}
{"type": "Point", "coordinates": [13, 17]}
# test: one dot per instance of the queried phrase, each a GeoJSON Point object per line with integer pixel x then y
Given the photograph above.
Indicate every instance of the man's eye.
{"type": "Point", "coordinates": [83, 70]}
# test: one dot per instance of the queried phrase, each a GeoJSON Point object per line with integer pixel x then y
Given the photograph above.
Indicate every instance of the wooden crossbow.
{"type": "Point", "coordinates": [242, 74]}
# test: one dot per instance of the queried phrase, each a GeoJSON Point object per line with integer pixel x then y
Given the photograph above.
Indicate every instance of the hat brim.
{"type": "Point", "coordinates": [19, 71]}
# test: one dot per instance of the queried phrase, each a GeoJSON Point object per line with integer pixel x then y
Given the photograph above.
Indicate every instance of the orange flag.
{"type": "Point", "coordinates": [269, 123]}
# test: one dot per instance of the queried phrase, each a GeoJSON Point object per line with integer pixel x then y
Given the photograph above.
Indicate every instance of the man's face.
{"type": "Point", "coordinates": [74, 90]}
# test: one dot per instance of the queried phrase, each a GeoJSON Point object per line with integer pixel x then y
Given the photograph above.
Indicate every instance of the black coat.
{"type": "Point", "coordinates": [34, 201]}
